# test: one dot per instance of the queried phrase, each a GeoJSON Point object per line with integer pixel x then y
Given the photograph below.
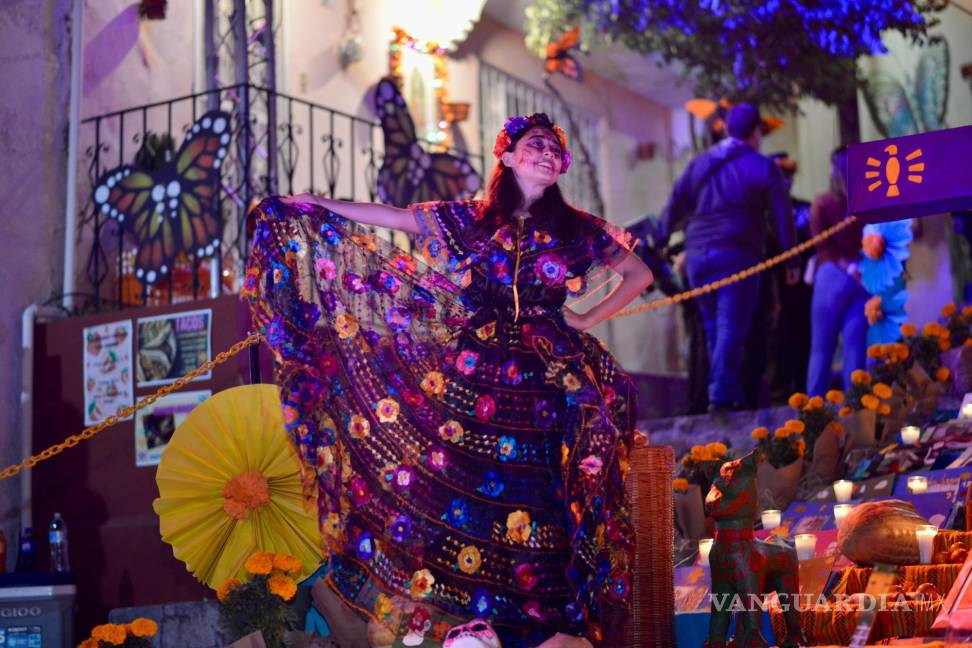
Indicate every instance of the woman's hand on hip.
{"type": "Point", "coordinates": [576, 320]}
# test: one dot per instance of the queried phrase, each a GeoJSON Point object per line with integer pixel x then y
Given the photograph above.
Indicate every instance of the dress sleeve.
{"type": "Point", "coordinates": [443, 238]}
{"type": "Point", "coordinates": [600, 247]}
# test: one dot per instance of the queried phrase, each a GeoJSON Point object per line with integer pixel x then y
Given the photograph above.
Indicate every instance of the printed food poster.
{"type": "Point", "coordinates": [170, 346]}
{"type": "Point", "coordinates": [155, 424]}
{"type": "Point", "coordinates": [107, 370]}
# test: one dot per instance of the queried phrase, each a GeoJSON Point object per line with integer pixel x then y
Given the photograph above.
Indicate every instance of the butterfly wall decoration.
{"type": "Point", "coordinates": [915, 104]}
{"type": "Point", "coordinates": [410, 174]}
{"type": "Point", "coordinates": [559, 59]}
{"type": "Point", "coordinates": [170, 210]}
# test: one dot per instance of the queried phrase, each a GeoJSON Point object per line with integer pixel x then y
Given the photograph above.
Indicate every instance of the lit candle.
{"type": "Point", "coordinates": [806, 545]}
{"type": "Point", "coordinates": [705, 546]}
{"type": "Point", "coordinates": [967, 411]}
{"type": "Point", "coordinates": [909, 435]}
{"type": "Point", "coordinates": [771, 518]}
{"type": "Point", "coordinates": [840, 512]}
{"type": "Point", "coordinates": [843, 490]}
{"type": "Point", "coordinates": [926, 541]}
{"type": "Point", "coordinates": [917, 484]}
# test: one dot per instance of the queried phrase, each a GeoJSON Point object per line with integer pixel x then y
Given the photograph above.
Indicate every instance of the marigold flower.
{"type": "Point", "coordinates": [882, 391]}
{"type": "Point", "coordinates": [794, 426]}
{"type": "Point", "coordinates": [260, 563]}
{"type": "Point", "coordinates": [930, 329]}
{"type": "Point", "coordinates": [781, 433]}
{"type": "Point", "coordinates": [876, 351]}
{"type": "Point", "coordinates": [944, 344]}
{"type": "Point", "coordinates": [286, 563]}
{"type": "Point", "coordinates": [845, 411]}
{"type": "Point", "coordinates": [142, 627]}
{"type": "Point", "coordinates": [835, 397]}
{"type": "Point", "coordinates": [282, 586]}
{"type": "Point", "coordinates": [838, 428]}
{"type": "Point", "coordinates": [760, 433]}
{"type": "Point", "coordinates": [815, 403]}
{"type": "Point", "coordinates": [680, 485]}
{"type": "Point", "coordinates": [90, 643]}
{"type": "Point", "coordinates": [909, 330]}
{"type": "Point", "coordinates": [900, 352]}
{"type": "Point", "coordinates": [884, 409]}
{"type": "Point", "coordinates": [860, 377]}
{"type": "Point", "coordinates": [801, 447]}
{"type": "Point", "coordinates": [870, 402]}
{"type": "Point", "coordinates": [968, 342]}
{"type": "Point", "coordinates": [942, 374]}
{"type": "Point", "coordinates": [797, 400]}
{"type": "Point", "coordinates": [966, 311]}
{"type": "Point", "coordinates": [110, 633]}
{"type": "Point", "coordinates": [716, 450]}
{"type": "Point", "coordinates": [949, 310]}
{"type": "Point", "coordinates": [228, 586]}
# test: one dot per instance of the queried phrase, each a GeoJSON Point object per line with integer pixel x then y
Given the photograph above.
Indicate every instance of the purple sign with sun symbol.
{"type": "Point", "coordinates": [907, 177]}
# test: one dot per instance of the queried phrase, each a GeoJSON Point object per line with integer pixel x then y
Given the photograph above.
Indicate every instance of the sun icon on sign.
{"type": "Point", "coordinates": [892, 170]}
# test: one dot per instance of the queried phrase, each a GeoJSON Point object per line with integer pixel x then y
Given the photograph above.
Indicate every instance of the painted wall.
{"type": "Point", "coordinates": [34, 55]}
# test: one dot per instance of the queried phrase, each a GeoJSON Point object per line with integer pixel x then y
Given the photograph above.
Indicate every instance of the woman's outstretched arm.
{"type": "Point", "coordinates": [374, 214]}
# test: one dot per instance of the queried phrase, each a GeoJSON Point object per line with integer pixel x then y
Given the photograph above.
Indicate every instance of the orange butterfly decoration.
{"type": "Point", "coordinates": [714, 115]}
{"type": "Point", "coordinates": [559, 58]}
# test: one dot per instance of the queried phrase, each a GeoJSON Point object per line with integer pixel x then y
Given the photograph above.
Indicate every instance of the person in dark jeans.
{"type": "Point", "coordinates": [838, 295]}
{"type": "Point", "coordinates": [725, 201]}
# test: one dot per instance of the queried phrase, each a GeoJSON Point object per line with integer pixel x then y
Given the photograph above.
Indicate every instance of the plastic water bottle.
{"type": "Point", "coordinates": [59, 545]}
{"type": "Point", "coordinates": [25, 551]}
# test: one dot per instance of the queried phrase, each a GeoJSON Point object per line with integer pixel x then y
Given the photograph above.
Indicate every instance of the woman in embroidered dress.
{"type": "Point", "coordinates": [468, 442]}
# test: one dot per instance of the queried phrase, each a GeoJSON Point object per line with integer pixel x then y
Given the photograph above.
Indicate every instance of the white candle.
{"type": "Point", "coordinates": [967, 411]}
{"type": "Point", "coordinates": [917, 484]}
{"type": "Point", "coordinates": [843, 490]}
{"type": "Point", "coordinates": [840, 512]}
{"type": "Point", "coordinates": [910, 434]}
{"type": "Point", "coordinates": [705, 546]}
{"type": "Point", "coordinates": [806, 545]}
{"type": "Point", "coordinates": [926, 541]}
{"type": "Point", "coordinates": [771, 518]}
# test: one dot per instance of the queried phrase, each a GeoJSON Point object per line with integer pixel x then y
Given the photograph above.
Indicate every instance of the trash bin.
{"type": "Point", "coordinates": [34, 613]}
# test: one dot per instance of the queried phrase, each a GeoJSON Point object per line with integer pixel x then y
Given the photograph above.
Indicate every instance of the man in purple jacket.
{"type": "Point", "coordinates": [725, 201]}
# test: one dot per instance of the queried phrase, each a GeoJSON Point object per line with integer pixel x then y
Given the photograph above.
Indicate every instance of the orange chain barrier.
{"type": "Point", "coordinates": [125, 412]}
{"type": "Point", "coordinates": [222, 357]}
{"type": "Point", "coordinates": [739, 276]}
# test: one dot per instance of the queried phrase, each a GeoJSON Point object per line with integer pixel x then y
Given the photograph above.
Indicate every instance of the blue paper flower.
{"type": "Point", "coordinates": [886, 314]}
{"type": "Point", "coordinates": [885, 249]}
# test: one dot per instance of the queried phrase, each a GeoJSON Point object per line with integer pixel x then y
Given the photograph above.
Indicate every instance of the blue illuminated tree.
{"type": "Point", "coordinates": [770, 53]}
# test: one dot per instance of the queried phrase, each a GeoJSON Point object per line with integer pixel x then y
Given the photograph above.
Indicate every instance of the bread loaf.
{"type": "Point", "coordinates": [882, 531]}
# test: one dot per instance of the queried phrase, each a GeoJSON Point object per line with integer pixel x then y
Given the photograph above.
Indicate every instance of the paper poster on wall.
{"type": "Point", "coordinates": [107, 370]}
{"type": "Point", "coordinates": [155, 424]}
{"type": "Point", "coordinates": [170, 346]}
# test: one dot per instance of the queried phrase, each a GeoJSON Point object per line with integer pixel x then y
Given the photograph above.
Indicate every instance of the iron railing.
{"type": "Point", "coordinates": [312, 148]}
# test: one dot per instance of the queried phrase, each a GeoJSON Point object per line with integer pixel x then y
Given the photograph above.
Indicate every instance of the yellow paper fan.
{"type": "Point", "coordinates": [229, 485]}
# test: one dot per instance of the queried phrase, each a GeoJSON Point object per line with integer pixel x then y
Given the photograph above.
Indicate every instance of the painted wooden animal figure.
{"type": "Point", "coordinates": [744, 566]}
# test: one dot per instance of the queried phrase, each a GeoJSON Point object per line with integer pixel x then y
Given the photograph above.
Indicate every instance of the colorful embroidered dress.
{"type": "Point", "coordinates": [469, 448]}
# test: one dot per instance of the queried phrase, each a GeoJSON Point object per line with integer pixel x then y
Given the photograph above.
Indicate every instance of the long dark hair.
{"type": "Point", "coordinates": [551, 211]}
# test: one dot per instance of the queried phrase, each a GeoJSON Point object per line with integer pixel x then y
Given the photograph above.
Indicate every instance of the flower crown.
{"type": "Point", "coordinates": [517, 125]}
